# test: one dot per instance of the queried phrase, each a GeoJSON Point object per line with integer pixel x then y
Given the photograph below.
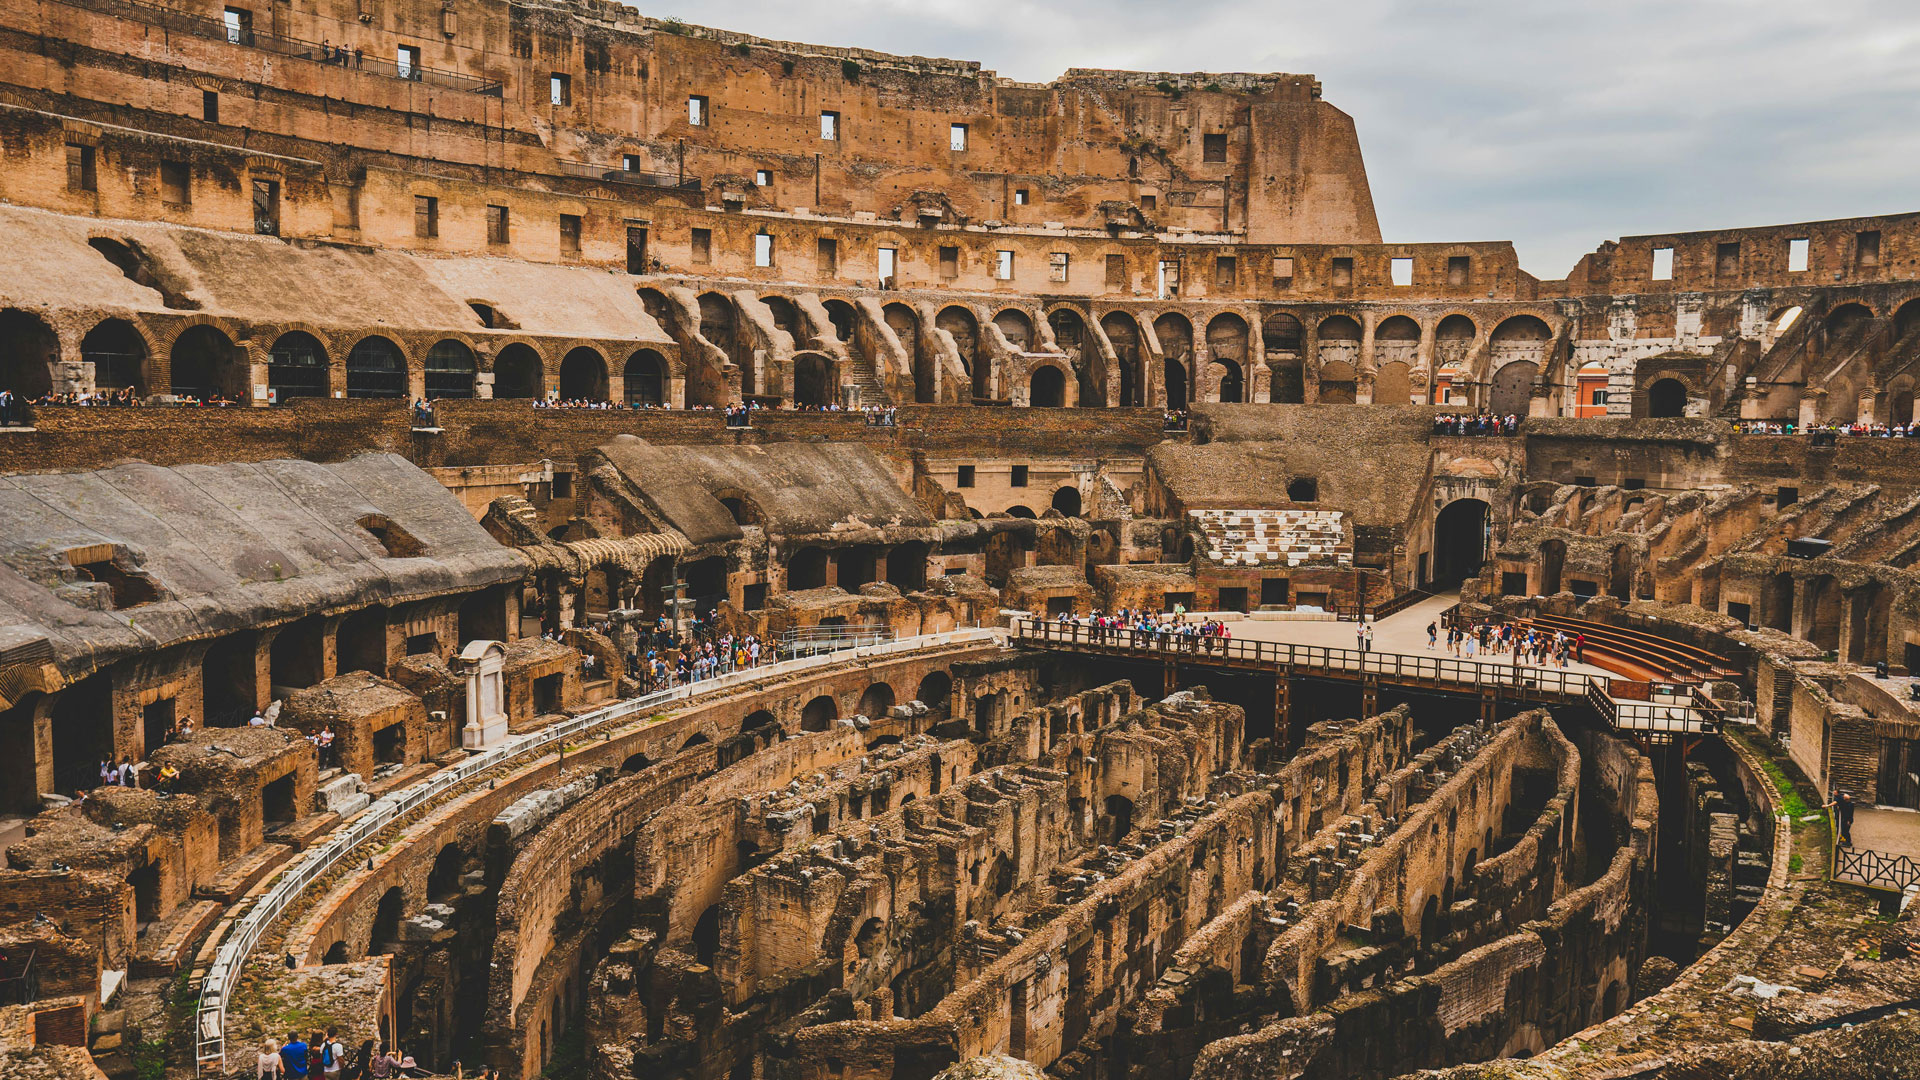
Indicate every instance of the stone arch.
{"type": "Point", "coordinates": [1281, 336]}
{"type": "Point", "coordinates": [1339, 342]}
{"type": "Point", "coordinates": [376, 368]}
{"type": "Point", "coordinates": [758, 719]}
{"type": "Point", "coordinates": [1230, 379]}
{"type": "Point", "coordinates": [1459, 541]}
{"type": "Point", "coordinates": [959, 321]}
{"type": "Point", "coordinates": [297, 366]}
{"type": "Point", "coordinates": [1047, 387]}
{"type": "Point", "coordinates": [583, 375]}
{"type": "Point", "coordinates": [443, 881]}
{"type": "Point", "coordinates": [636, 763]}
{"type": "Point", "coordinates": [1067, 500]}
{"type": "Point", "coordinates": [1069, 332]}
{"type": "Point", "coordinates": [1227, 338]}
{"type": "Point", "coordinates": [449, 370]}
{"type": "Point", "coordinates": [1907, 319]}
{"type": "Point", "coordinates": [935, 692]}
{"type": "Point", "coordinates": [386, 920]}
{"type": "Point", "coordinates": [518, 372]}
{"type": "Point", "coordinates": [814, 379]}
{"type": "Point", "coordinates": [1553, 561]}
{"type": "Point", "coordinates": [1847, 319]}
{"type": "Point", "coordinates": [819, 714]}
{"type": "Point", "coordinates": [786, 317]}
{"type": "Point", "coordinates": [645, 378]}
{"type": "Point", "coordinates": [907, 566]}
{"type": "Point", "coordinates": [202, 364]}
{"type": "Point", "coordinates": [1017, 327]}
{"type": "Point", "coordinates": [842, 317]}
{"type": "Point", "coordinates": [905, 325]}
{"type": "Point", "coordinates": [28, 350]}
{"type": "Point", "coordinates": [1521, 338]}
{"type": "Point", "coordinates": [1123, 333]}
{"type": "Point", "coordinates": [118, 354]}
{"type": "Point", "coordinates": [875, 702]}
{"type": "Point", "coordinates": [1666, 397]}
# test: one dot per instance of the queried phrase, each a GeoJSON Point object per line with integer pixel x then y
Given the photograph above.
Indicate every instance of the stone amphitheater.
{"type": "Point", "coordinates": [541, 539]}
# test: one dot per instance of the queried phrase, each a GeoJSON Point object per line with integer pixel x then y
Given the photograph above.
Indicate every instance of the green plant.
{"type": "Point", "coordinates": [673, 26]}
{"type": "Point", "coordinates": [1214, 88]}
{"type": "Point", "coordinates": [1163, 86]}
{"type": "Point", "coordinates": [150, 1059]}
{"type": "Point", "coordinates": [1794, 863]}
{"type": "Point", "coordinates": [743, 49]}
{"type": "Point", "coordinates": [850, 69]}
{"type": "Point", "coordinates": [786, 67]}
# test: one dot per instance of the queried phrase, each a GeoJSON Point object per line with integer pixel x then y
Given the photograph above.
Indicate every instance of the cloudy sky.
{"type": "Point", "coordinates": [1556, 124]}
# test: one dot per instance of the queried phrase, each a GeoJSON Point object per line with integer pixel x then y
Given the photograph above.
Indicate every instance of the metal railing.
{"type": "Point", "coordinates": [1874, 869]}
{"type": "Point", "coordinates": [318, 52]}
{"type": "Point", "coordinates": [210, 1022]}
{"type": "Point", "coordinates": [812, 640]}
{"type": "Point", "coordinates": [24, 987]}
{"type": "Point", "coordinates": [1678, 713]}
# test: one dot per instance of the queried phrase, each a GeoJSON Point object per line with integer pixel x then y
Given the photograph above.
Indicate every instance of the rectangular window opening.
{"type": "Point", "coordinates": [426, 216]}
{"type": "Point", "coordinates": [239, 24]}
{"type": "Point", "coordinates": [176, 183]}
{"type": "Point", "coordinates": [266, 207]}
{"type": "Point", "coordinates": [1459, 270]}
{"type": "Point", "coordinates": [406, 61]}
{"type": "Point", "coordinates": [210, 106]}
{"type": "Point", "coordinates": [497, 225]}
{"type": "Point", "coordinates": [949, 263]}
{"type": "Point", "coordinates": [1663, 264]}
{"type": "Point", "coordinates": [1866, 249]}
{"type": "Point", "coordinates": [1343, 271]}
{"type": "Point", "coordinates": [697, 111]}
{"type": "Point", "coordinates": [80, 172]}
{"type": "Point", "coordinates": [1057, 265]}
{"type": "Point", "coordinates": [1797, 251]}
{"type": "Point", "coordinates": [1149, 203]}
{"type": "Point", "coordinates": [636, 249]}
{"type": "Point", "coordinates": [1726, 259]}
{"type": "Point", "coordinates": [570, 234]}
{"type": "Point", "coordinates": [1283, 270]}
{"type": "Point", "coordinates": [1213, 147]}
{"type": "Point", "coordinates": [828, 256]}
{"type": "Point", "coordinates": [1402, 270]}
{"type": "Point", "coordinates": [560, 88]}
{"type": "Point", "coordinates": [1019, 477]}
{"type": "Point", "coordinates": [888, 260]}
{"type": "Point", "coordinates": [1003, 265]}
{"type": "Point", "coordinates": [762, 249]}
{"type": "Point", "coordinates": [1168, 279]}
{"type": "Point", "coordinates": [1019, 196]}
{"type": "Point", "coordinates": [957, 137]}
{"type": "Point", "coordinates": [1116, 271]}
{"type": "Point", "coordinates": [830, 126]}
{"type": "Point", "coordinates": [965, 479]}
{"type": "Point", "coordinates": [701, 246]}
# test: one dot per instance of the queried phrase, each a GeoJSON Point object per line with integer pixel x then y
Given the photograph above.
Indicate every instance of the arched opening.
{"type": "Point", "coordinates": [1021, 512]}
{"type": "Point", "coordinates": [876, 701]}
{"type": "Point", "coordinates": [386, 922]}
{"type": "Point", "coordinates": [819, 714]}
{"type": "Point", "coordinates": [1017, 327]}
{"type": "Point", "coordinates": [841, 315]}
{"type": "Point", "coordinates": [1512, 390]}
{"type": "Point", "coordinates": [1340, 340]}
{"type": "Point", "coordinates": [1429, 921]}
{"type": "Point", "coordinates": [450, 370]}
{"type": "Point", "coordinates": [907, 566]}
{"type": "Point", "coordinates": [336, 954]}
{"type": "Point", "coordinates": [935, 692]}
{"type": "Point", "coordinates": [906, 328]}
{"type": "Point", "coordinates": [1124, 335]}
{"type": "Point", "coordinates": [856, 565]}
{"type": "Point", "coordinates": [1048, 389]}
{"type": "Point", "coordinates": [1621, 578]}
{"type": "Point", "coordinates": [443, 881]}
{"type": "Point", "coordinates": [758, 719]}
{"type": "Point", "coordinates": [203, 364]}
{"type": "Point", "coordinates": [1174, 373]}
{"type": "Point", "coordinates": [297, 367]}
{"type": "Point", "coordinates": [693, 740]}
{"type": "Point", "coordinates": [965, 329]}
{"type": "Point", "coordinates": [786, 317]}
{"type": "Point", "coordinates": [1232, 383]}
{"type": "Point", "coordinates": [706, 935]}
{"type": "Point", "coordinates": [1067, 501]}
{"type": "Point", "coordinates": [1175, 335]}
{"type": "Point", "coordinates": [813, 380]}
{"type": "Point", "coordinates": [1119, 810]}
{"type": "Point", "coordinates": [807, 569]}
{"type": "Point", "coordinates": [1553, 559]}
{"type": "Point", "coordinates": [1459, 542]}
{"type": "Point", "coordinates": [1823, 629]}
{"type": "Point", "coordinates": [583, 376]}
{"type": "Point", "coordinates": [1779, 613]}
{"type": "Point", "coordinates": [118, 356]}
{"type": "Point", "coordinates": [645, 377]}
{"type": "Point", "coordinates": [1847, 321]}
{"type": "Point", "coordinates": [1303, 489]}
{"type": "Point", "coordinates": [1906, 320]}
{"type": "Point", "coordinates": [1453, 343]}
{"type": "Point", "coordinates": [360, 642]}
{"type": "Point", "coordinates": [1069, 332]}
{"type": "Point", "coordinates": [1338, 383]}
{"type": "Point", "coordinates": [1281, 335]}
{"type": "Point", "coordinates": [376, 369]}
{"type": "Point", "coordinates": [517, 373]}
{"type": "Point", "coordinates": [1227, 345]}
{"type": "Point", "coordinates": [868, 939]}
{"type": "Point", "coordinates": [635, 763]}
{"type": "Point", "coordinates": [1666, 398]}
{"type": "Point", "coordinates": [28, 348]}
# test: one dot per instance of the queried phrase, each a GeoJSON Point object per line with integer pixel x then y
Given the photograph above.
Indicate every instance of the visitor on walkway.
{"type": "Point", "coordinates": [293, 1057]}
{"type": "Point", "coordinates": [1842, 807]}
{"type": "Point", "coordinates": [266, 1064]}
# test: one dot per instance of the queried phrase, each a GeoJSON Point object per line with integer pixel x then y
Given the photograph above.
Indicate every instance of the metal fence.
{"type": "Point", "coordinates": [246, 931]}
{"type": "Point", "coordinates": [614, 174]}
{"type": "Point", "coordinates": [1674, 713]}
{"type": "Point", "coordinates": [813, 640]}
{"type": "Point", "coordinates": [1874, 869]}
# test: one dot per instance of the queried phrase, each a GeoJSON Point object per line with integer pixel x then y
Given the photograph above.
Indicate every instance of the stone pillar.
{"type": "Point", "coordinates": [1423, 365]}
{"type": "Point", "coordinates": [483, 663]}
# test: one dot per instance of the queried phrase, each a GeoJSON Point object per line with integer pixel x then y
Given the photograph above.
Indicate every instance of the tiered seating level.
{"type": "Point", "coordinates": [1636, 654]}
{"type": "Point", "coordinates": [1257, 538]}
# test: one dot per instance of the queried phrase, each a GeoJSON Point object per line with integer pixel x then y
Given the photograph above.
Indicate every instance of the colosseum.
{"type": "Point", "coordinates": [539, 541]}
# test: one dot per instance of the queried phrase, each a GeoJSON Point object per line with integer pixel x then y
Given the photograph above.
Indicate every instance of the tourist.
{"type": "Point", "coordinates": [164, 785]}
{"type": "Point", "coordinates": [380, 1066]}
{"type": "Point", "coordinates": [1842, 807]}
{"type": "Point", "coordinates": [1470, 640]}
{"type": "Point", "coordinates": [293, 1057]}
{"type": "Point", "coordinates": [333, 1055]}
{"type": "Point", "coordinates": [258, 720]}
{"type": "Point", "coordinates": [267, 1063]}
{"type": "Point", "coordinates": [128, 772]}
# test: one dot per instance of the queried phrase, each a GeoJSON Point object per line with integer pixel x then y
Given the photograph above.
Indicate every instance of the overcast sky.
{"type": "Point", "coordinates": [1556, 124]}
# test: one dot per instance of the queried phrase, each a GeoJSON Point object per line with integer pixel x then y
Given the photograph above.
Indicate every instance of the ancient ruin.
{"type": "Point", "coordinates": [554, 540]}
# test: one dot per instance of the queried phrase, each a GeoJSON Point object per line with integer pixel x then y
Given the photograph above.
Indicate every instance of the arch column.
{"type": "Point", "coordinates": [1423, 361]}
{"type": "Point", "coordinates": [1364, 367]}
{"type": "Point", "coordinates": [67, 372]}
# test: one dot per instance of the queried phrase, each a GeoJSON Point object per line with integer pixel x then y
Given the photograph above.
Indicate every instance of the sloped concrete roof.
{"type": "Point", "coordinates": [227, 547]}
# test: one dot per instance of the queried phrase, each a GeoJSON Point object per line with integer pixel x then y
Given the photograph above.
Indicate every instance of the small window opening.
{"type": "Point", "coordinates": [1663, 264]}
{"type": "Point", "coordinates": [1402, 272]}
{"type": "Point", "coordinates": [1797, 251]}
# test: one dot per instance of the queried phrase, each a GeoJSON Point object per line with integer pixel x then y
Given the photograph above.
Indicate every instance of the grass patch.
{"type": "Point", "coordinates": [1791, 802]}
{"type": "Point", "coordinates": [150, 1059]}
{"type": "Point", "coordinates": [1794, 863]}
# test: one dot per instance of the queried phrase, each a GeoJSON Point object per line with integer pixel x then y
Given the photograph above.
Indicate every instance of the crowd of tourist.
{"type": "Point", "coordinates": [694, 657]}
{"type": "Point", "coordinates": [1475, 424]}
{"type": "Point", "coordinates": [1161, 629]}
{"type": "Point", "coordinates": [327, 1058]}
{"type": "Point", "coordinates": [1524, 644]}
{"type": "Point", "coordinates": [1174, 420]}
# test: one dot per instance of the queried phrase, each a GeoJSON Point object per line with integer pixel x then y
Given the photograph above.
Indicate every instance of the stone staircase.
{"type": "Point", "coordinates": [1273, 538]}
{"type": "Point", "coordinates": [862, 374]}
{"type": "Point", "coordinates": [342, 793]}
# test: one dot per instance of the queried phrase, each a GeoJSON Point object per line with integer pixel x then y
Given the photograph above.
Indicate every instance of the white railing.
{"type": "Point", "coordinates": [210, 1023]}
